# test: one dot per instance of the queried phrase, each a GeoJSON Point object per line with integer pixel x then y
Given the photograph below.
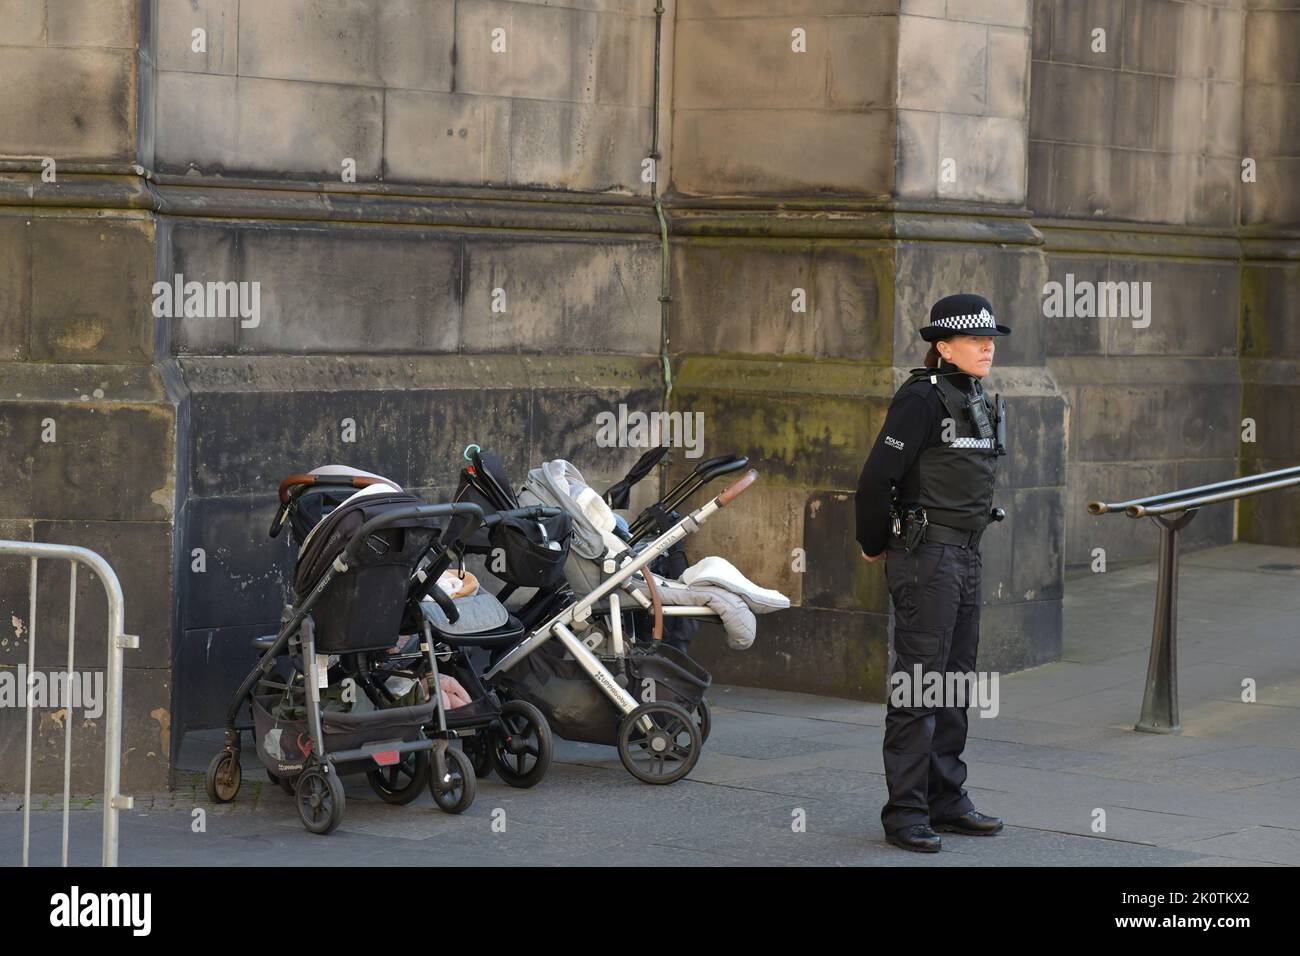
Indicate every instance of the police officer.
{"type": "Point", "coordinates": [936, 458]}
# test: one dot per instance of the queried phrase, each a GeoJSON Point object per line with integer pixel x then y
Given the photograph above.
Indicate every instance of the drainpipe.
{"type": "Point", "coordinates": [664, 297]}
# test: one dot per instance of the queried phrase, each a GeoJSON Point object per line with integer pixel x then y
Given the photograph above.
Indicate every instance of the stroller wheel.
{"type": "Point", "coordinates": [223, 777]}
{"type": "Point", "coordinates": [454, 790]}
{"type": "Point", "coordinates": [402, 782]}
{"type": "Point", "coordinates": [704, 720]}
{"type": "Point", "coordinates": [479, 752]}
{"type": "Point", "coordinates": [667, 751]}
{"type": "Point", "coordinates": [320, 800]}
{"type": "Point", "coordinates": [521, 745]}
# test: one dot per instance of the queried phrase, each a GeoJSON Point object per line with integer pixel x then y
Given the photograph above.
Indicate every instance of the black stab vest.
{"type": "Point", "coordinates": [956, 478]}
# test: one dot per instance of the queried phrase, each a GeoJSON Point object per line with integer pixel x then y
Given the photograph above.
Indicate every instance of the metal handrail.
{"type": "Point", "coordinates": [117, 642]}
{"type": "Point", "coordinates": [1101, 508]}
{"type": "Point", "coordinates": [1160, 699]}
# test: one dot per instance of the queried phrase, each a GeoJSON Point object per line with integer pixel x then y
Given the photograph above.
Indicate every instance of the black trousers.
{"type": "Point", "coordinates": [936, 595]}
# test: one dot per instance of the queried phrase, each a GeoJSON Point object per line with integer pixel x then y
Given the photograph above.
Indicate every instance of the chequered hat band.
{"type": "Point", "coordinates": [983, 320]}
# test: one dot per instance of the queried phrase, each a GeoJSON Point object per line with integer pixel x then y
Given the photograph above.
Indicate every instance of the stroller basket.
{"type": "Point", "coordinates": [283, 745]}
{"type": "Point", "coordinates": [578, 710]}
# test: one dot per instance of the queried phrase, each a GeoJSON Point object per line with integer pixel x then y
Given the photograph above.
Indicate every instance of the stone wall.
{"type": "Point", "coordinates": [391, 172]}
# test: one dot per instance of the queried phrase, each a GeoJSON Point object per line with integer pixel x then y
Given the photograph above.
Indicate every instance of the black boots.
{"type": "Point", "coordinates": [973, 823]}
{"type": "Point", "coordinates": [918, 837]}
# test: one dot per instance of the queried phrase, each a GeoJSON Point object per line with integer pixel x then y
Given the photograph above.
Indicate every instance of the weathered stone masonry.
{"type": "Point", "coordinates": [823, 170]}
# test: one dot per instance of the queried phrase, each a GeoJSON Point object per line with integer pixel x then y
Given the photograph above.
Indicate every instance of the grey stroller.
{"type": "Point", "coordinates": [588, 686]}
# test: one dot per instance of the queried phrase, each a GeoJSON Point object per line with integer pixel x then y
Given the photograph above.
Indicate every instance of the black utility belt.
{"type": "Point", "coordinates": [911, 529]}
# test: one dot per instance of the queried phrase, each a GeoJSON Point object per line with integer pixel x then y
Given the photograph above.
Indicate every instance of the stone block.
{"type": "Point", "coordinates": [87, 103]}
{"type": "Point", "coordinates": [204, 139]}
{"type": "Point", "coordinates": [550, 52]}
{"type": "Point", "coordinates": [1073, 104]}
{"type": "Point", "coordinates": [953, 82]}
{"type": "Point", "coordinates": [1179, 289]}
{"type": "Point", "coordinates": [219, 19]}
{"type": "Point", "coordinates": [863, 62]}
{"type": "Point", "coordinates": [352, 290]}
{"type": "Point", "coordinates": [1073, 334]}
{"type": "Point", "coordinates": [1270, 38]}
{"type": "Point", "coordinates": [273, 128]}
{"type": "Point", "coordinates": [579, 146]}
{"type": "Point", "coordinates": [835, 575]}
{"type": "Point", "coordinates": [1038, 543]}
{"type": "Point", "coordinates": [1008, 73]}
{"type": "Point", "coordinates": [146, 739]}
{"type": "Point", "coordinates": [918, 154]}
{"type": "Point", "coordinates": [837, 653]}
{"type": "Point", "coordinates": [90, 290]}
{"type": "Point", "coordinates": [446, 138]}
{"type": "Point", "coordinates": [1153, 32]}
{"type": "Point", "coordinates": [851, 292]}
{"type": "Point", "coordinates": [1008, 13]}
{"type": "Point", "coordinates": [401, 44]}
{"type": "Point", "coordinates": [243, 576]}
{"type": "Point", "coordinates": [737, 64]}
{"type": "Point", "coordinates": [756, 152]}
{"type": "Point", "coordinates": [562, 296]}
{"type": "Point", "coordinates": [990, 158]}
{"type": "Point", "coordinates": [1073, 23]}
{"type": "Point", "coordinates": [69, 476]}
{"type": "Point", "coordinates": [140, 554]}
{"type": "Point", "coordinates": [1036, 441]}
{"type": "Point", "coordinates": [92, 23]}
{"type": "Point", "coordinates": [15, 287]}
{"type": "Point", "coordinates": [24, 22]}
{"type": "Point", "coordinates": [801, 441]}
{"type": "Point", "coordinates": [498, 418]}
{"type": "Point", "coordinates": [247, 441]}
{"type": "Point", "coordinates": [1270, 299]}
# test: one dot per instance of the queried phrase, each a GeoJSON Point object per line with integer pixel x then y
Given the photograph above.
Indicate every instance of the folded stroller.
{"type": "Point", "coordinates": [585, 687]}
{"type": "Point", "coordinates": [360, 582]}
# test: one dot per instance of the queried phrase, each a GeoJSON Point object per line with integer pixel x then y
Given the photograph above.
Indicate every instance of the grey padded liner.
{"type": "Point", "coordinates": [479, 613]}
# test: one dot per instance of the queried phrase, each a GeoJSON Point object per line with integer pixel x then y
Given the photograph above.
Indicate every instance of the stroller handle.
{"type": "Point", "coordinates": [472, 511]}
{"type": "Point", "coordinates": [295, 485]}
{"type": "Point", "coordinates": [737, 488]}
{"type": "Point", "coordinates": [356, 481]}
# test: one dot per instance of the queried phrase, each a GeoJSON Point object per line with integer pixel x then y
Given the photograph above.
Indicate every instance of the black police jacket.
{"type": "Point", "coordinates": [930, 452]}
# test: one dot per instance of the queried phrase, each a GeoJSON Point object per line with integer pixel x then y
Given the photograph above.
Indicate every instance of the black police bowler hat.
{"type": "Point", "coordinates": [962, 314]}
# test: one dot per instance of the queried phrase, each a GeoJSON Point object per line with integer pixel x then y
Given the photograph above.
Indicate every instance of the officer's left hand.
{"type": "Point", "coordinates": [872, 559]}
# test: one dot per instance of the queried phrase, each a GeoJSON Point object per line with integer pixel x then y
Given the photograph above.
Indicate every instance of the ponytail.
{"type": "Point", "coordinates": [932, 357]}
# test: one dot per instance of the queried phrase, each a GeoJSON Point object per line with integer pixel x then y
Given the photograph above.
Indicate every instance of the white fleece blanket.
{"type": "Point", "coordinates": [717, 584]}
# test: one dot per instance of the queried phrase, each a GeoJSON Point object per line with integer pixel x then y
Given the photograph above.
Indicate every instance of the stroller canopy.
{"type": "Point", "coordinates": [559, 484]}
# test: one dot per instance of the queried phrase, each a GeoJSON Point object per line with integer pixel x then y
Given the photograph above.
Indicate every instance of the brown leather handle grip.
{"type": "Point", "coordinates": [358, 481]}
{"type": "Point", "coordinates": [293, 480]}
{"type": "Point", "coordinates": [656, 602]}
{"type": "Point", "coordinates": [737, 488]}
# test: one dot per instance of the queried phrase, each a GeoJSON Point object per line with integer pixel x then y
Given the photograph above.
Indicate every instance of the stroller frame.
{"type": "Point", "coordinates": [662, 724]}
{"type": "Point", "coordinates": [322, 767]}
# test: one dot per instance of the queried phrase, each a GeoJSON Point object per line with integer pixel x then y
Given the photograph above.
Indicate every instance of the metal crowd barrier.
{"type": "Point", "coordinates": [117, 642]}
{"type": "Point", "coordinates": [1160, 700]}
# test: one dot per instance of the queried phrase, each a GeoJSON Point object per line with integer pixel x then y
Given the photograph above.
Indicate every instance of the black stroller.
{"type": "Point", "coordinates": [359, 585]}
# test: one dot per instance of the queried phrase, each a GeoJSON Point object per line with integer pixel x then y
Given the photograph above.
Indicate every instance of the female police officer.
{"type": "Point", "coordinates": [937, 455]}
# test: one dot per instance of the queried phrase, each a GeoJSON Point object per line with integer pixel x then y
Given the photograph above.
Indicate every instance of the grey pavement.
{"type": "Point", "coordinates": [1226, 791]}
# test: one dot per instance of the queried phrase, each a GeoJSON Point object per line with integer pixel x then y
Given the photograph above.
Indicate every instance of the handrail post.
{"type": "Point", "coordinates": [1160, 700]}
